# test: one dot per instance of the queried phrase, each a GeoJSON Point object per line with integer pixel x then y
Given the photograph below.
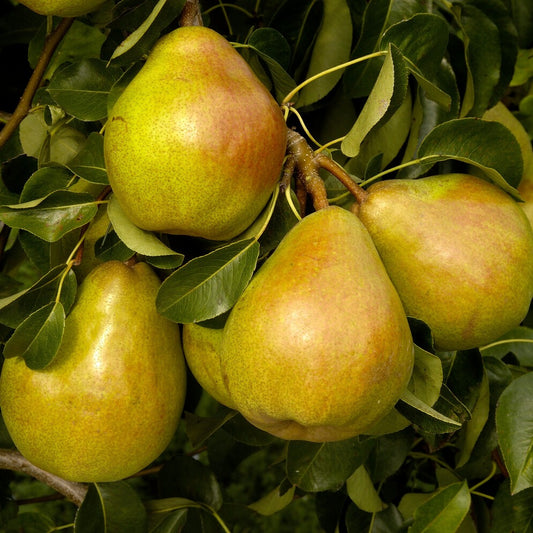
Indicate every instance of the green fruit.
{"type": "Point", "coordinates": [110, 401]}
{"type": "Point", "coordinates": [201, 346]}
{"type": "Point", "coordinates": [318, 347]}
{"type": "Point", "coordinates": [459, 251]}
{"type": "Point", "coordinates": [195, 143]}
{"type": "Point", "coordinates": [62, 8]}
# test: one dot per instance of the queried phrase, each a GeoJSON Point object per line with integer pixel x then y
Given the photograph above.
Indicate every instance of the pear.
{"type": "Point", "coordinates": [62, 8]}
{"type": "Point", "coordinates": [195, 143]}
{"type": "Point", "coordinates": [318, 346]}
{"type": "Point", "coordinates": [459, 251]}
{"type": "Point", "coordinates": [201, 347]}
{"type": "Point", "coordinates": [110, 401]}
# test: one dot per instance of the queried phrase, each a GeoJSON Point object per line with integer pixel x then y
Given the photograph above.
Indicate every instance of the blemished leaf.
{"type": "Point", "coordinates": [274, 501]}
{"type": "Point", "coordinates": [38, 338]}
{"type": "Point", "coordinates": [362, 492]}
{"type": "Point", "coordinates": [209, 285]}
{"type": "Point", "coordinates": [175, 478]}
{"type": "Point", "coordinates": [82, 88]}
{"type": "Point", "coordinates": [141, 241]}
{"type": "Point", "coordinates": [480, 143]}
{"type": "Point", "coordinates": [111, 508]}
{"type": "Point", "coordinates": [421, 414]}
{"type": "Point", "coordinates": [444, 511]}
{"type": "Point", "coordinates": [52, 217]}
{"type": "Point", "coordinates": [15, 308]}
{"type": "Point", "coordinates": [315, 467]}
{"type": "Point", "coordinates": [331, 48]}
{"type": "Point", "coordinates": [514, 424]}
{"type": "Point", "coordinates": [89, 163]}
{"type": "Point", "coordinates": [43, 182]}
{"type": "Point", "coordinates": [384, 100]}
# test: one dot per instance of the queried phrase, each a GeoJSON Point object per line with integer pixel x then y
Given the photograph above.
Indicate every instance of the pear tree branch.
{"type": "Point", "coordinates": [72, 491]}
{"type": "Point", "coordinates": [50, 45]}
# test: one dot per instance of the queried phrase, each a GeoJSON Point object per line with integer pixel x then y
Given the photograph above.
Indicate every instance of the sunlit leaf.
{"type": "Point", "coordinates": [362, 492]}
{"type": "Point", "coordinates": [274, 501]}
{"type": "Point", "coordinates": [209, 285]}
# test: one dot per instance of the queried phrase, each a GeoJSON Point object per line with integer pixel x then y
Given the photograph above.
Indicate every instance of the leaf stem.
{"type": "Point", "coordinates": [298, 88]}
{"type": "Point", "coordinates": [50, 45]}
{"type": "Point", "coordinates": [485, 480]}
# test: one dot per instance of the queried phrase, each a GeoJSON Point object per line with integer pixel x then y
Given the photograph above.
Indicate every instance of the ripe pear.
{"type": "Point", "coordinates": [500, 113]}
{"type": "Point", "coordinates": [318, 346]}
{"type": "Point", "coordinates": [201, 347]}
{"type": "Point", "coordinates": [195, 143]}
{"type": "Point", "coordinates": [110, 401]}
{"type": "Point", "coordinates": [459, 251]}
{"type": "Point", "coordinates": [62, 8]}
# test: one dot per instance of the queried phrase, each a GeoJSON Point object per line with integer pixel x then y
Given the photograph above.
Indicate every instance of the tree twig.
{"type": "Point", "coordinates": [13, 460]}
{"type": "Point", "coordinates": [24, 104]}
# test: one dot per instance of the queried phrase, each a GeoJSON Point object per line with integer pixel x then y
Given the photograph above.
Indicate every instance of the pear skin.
{"type": "Point", "coordinates": [201, 347]}
{"type": "Point", "coordinates": [318, 346]}
{"type": "Point", "coordinates": [62, 8]}
{"type": "Point", "coordinates": [110, 401]}
{"type": "Point", "coordinates": [459, 251]}
{"type": "Point", "coordinates": [195, 143]}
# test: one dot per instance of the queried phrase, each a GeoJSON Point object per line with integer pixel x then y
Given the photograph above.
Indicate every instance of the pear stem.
{"type": "Point", "coordinates": [13, 460]}
{"type": "Point", "coordinates": [307, 169]}
{"type": "Point", "coordinates": [191, 14]}
{"type": "Point", "coordinates": [23, 107]}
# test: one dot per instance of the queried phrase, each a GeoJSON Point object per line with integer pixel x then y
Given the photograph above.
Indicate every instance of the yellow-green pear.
{"type": "Point", "coordinates": [318, 346]}
{"type": "Point", "coordinates": [195, 143]}
{"type": "Point", "coordinates": [62, 8]}
{"type": "Point", "coordinates": [110, 401]}
{"type": "Point", "coordinates": [459, 251]}
{"type": "Point", "coordinates": [501, 113]}
{"type": "Point", "coordinates": [201, 347]}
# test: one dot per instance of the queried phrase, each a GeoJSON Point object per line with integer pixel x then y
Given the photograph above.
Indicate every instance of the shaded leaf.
{"type": "Point", "coordinates": [271, 43]}
{"type": "Point", "coordinates": [199, 428]}
{"type": "Point", "coordinates": [38, 338]}
{"type": "Point", "coordinates": [317, 467]}
{"type": "Point", "coordinates": [487, 145]}
{"type": "Point", "coordinates": [209, 285]}
{"type": "Point", "coordinates": [111, 508]}
{"type": "Point", "coordinates": [514, 423]}
{"type": "Point", "coordinates": [89, 163]}
{"type": "Point", "coordinates": [518, 341]}
{"type": "Point", "coordinates": [82, 88]}
{"type": "Point", "coordinates": [52, 217]}
{"type": "Point", "coordinates": [512, 513]}
{"type": "Point", "coordinates": [331, 48]}
{"type": "Point", "coordinates": [43, 182]}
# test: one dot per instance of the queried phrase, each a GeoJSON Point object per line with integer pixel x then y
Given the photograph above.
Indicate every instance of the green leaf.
{"type": "Point", "coordinates": [199, 428]}
{"type": "Point", "coordinates": [331, 48]}
{"type": "Point", "coordinates": [273, 44]}
{"type": "Point", "coordinates": [167, 522]}
{"type": "Point", "coordinates": [111, 508]}
{"type": "Point", "coordinates": [30, 522]}
{"type": "Point", "coordinates": [274, 501]}
{"type": "Point", "coordinates": [242, 431]}
{"type": "Point", "coordinates": [15, 308]}
{"type": "Point", "coordinates": [109, 247]}
{"type": "Point", "coordinates": [464, 376]}
{"type": "Point", "coordinates": [487, 145]}
{"type": "Point", "coordinates": [514, 423]}
{"type": "Point", "coordinates": [52, 217]}
{"type": "Point", "coordinates": [362, 492]}
{"type": "Point", "coordinates": [421, 414]}
{"type": "Point", "coordinates": [389, 454]}
{"type": "Point", "coordinates": [444, 511]}
{"type": "Point", "coordinates": [38, 338]}
{"type": "Point", "coordinates": [43, 182]}
{"type": "Point", "coordinates": [316, 467]}
{"type": "Point", "coordinates": [518, 341]}
{"type": "Point", "coordinates": [512, 513]}
{"type": "Point", "coordinates": [141, 241]}
{"type": "Point", "coordinates": [89, 163]}
{"type": "Point", "coordinates": [384, 100]}
{"type": "Point", "coordinates": [82, 88]}
{"type": "Point", "coordinates": [209, 285]}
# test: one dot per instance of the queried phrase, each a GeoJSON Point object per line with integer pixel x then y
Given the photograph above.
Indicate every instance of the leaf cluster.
{"type": "Point", "coordinates": [387, 88]}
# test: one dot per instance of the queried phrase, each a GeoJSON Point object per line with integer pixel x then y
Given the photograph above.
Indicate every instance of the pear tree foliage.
{"type": "Point", "coordinates": [386, 89]}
